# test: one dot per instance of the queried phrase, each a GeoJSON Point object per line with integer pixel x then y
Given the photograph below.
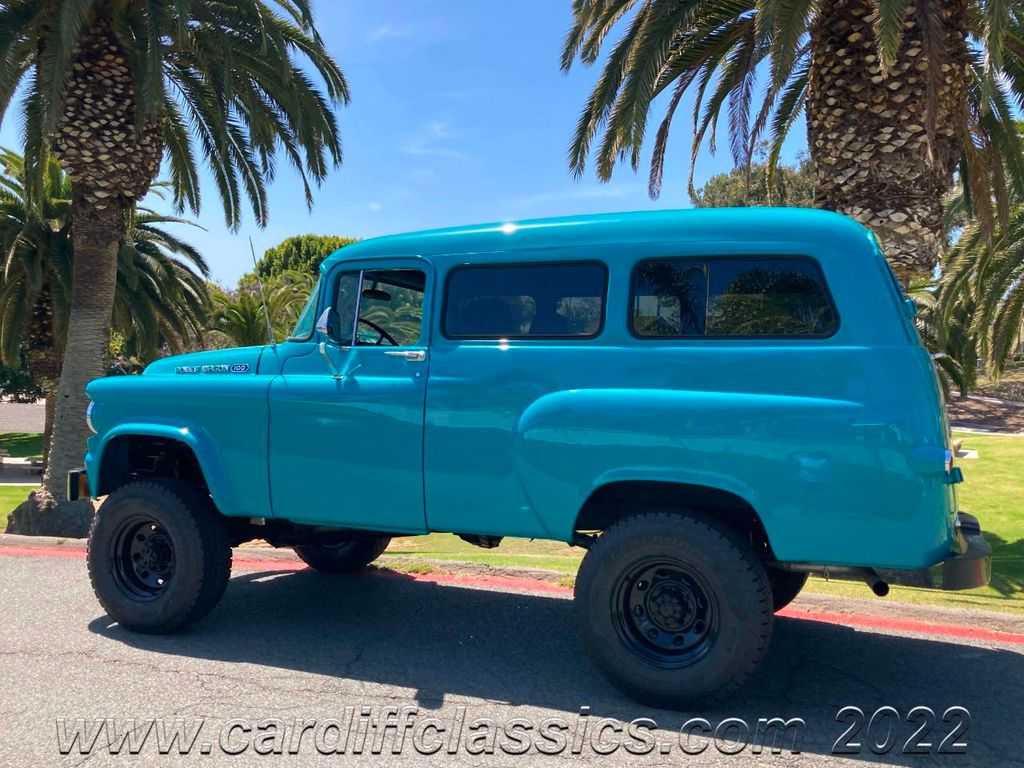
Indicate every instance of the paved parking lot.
{"type": "Point", "coordinates": [22, 417]}
{"type": "Point", "coordinates": [296, 645]}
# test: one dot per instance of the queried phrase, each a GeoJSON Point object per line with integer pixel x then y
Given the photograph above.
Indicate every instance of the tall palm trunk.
{"type": "Point", "coordinates": [97, 237]}
{"type": "Point", "coordinates": [49, 411]}
{"type": "Point", "coordinates": [111, 158]}
{"type": "Point", "coordinates": [884, 147]}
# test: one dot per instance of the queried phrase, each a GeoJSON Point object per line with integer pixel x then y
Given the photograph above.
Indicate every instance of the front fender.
{"type": "Point", "coordinates": [195, 437]}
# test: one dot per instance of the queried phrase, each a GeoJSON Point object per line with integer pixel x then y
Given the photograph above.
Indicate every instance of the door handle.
{"type": "Point", "coordinates": [412, 355]}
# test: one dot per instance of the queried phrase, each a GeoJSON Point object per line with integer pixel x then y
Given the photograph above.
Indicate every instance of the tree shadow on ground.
{"type": "Point", "coordinates": [1007, 565]}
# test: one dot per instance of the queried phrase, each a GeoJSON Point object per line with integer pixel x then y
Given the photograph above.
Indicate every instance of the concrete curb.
{"type": "Point", "coordinates": [980, 429]}
{"type": "Point", "coordinates": [18, 540]}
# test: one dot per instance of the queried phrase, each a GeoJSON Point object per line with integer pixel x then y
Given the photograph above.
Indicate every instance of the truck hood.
{"type": "Point", "coordinates": [215, 362]}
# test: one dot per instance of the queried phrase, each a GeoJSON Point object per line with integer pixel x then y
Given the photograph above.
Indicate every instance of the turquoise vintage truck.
{"type": "Point", "coordinates": [714, 403]}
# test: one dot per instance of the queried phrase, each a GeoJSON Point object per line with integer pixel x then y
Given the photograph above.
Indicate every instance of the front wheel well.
{"type": "Point", "coordinates": [139, 457]}
{"type": "Point", "coordinates": [614, 501]}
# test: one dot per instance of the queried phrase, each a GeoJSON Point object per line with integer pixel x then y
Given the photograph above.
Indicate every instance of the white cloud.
{"type": "Point", "coordinates": [419, 32]}
{"type": "Point", "coordinates": [374, 206]}
{"type": "Point", "coordinates": [389, 32]}
{"type": "Point", "coordinates": [433, 141]}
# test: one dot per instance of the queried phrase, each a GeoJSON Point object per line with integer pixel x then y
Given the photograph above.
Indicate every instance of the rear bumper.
{"type": "Point", "coordinates": [78, 485]}
{"type": "Point", "coordinates": [973, 566]}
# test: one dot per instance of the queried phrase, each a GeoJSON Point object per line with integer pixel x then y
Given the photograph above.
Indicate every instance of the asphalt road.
{"type": "Point", "coordinates": [299, 645]}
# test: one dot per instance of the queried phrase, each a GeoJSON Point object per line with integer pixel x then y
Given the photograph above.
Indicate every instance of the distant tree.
{"type": "Point", "coordinates": [302, 253]}
{"type": "Point", "coordinates": [238, 320]}
{"type": "Point", "coordinates": [791, 186]}
{"type": "Point", "coordinates": [16, 384]}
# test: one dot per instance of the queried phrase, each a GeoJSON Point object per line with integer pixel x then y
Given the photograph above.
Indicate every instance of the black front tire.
{"type": "Point", "coordinates": [346, 557]}
{"type": "Point", "coordinates": [159, 557]}
{"type": "Point", "coordinates": [786, 585]}
{"type": "Point", "coordinates": [673, 608]}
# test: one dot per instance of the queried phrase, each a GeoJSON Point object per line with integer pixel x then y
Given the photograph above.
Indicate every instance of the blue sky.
{"type": "Point", "coordinates": [459, 114]}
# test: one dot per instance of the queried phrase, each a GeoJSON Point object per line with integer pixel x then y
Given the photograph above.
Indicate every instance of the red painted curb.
{"type": "Point", "coordinates": [857, 620]}
{"type": "Point", "coordinates": [866, 621]}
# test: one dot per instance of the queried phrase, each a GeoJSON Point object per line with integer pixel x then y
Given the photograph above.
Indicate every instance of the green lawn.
{"type": "Point", "coordinates": [22, 445]}
{"type": "Point", "coordinates": [10, 497]}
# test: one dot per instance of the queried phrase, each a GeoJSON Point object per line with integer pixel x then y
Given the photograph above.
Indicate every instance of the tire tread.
{"type": "Point", "coordinates": [651, 526]}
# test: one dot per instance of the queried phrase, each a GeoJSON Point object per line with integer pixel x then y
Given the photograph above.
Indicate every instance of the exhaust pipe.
{"type": "Point", "coordinates": [869, 575]}
{"type": "Point", "coordinates": [878, 586]}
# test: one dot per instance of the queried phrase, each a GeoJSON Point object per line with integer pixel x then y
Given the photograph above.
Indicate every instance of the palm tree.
{"type": "Point", "coordinates": [114, 86]}
{"type": "Point", "coordinates": [238, 317]}
{"type": "Point", "coordinates": [988, 278]}
{"type": "Point", "coordinates": [897, 94]}
{"type": "Point", "coordinates": [950, 340]}
{"type": "Point", "coordinates": [160, 297]}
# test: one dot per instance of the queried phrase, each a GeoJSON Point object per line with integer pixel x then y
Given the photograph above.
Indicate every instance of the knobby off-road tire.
{"type": "Point", "coordinates": [159, 556]}
{"type": "Point", "coordinates": [346, 557]}
{"type": "Point", "coordinates": [786, 585]}
{"type": "Point", "coordinates": [673, 608]}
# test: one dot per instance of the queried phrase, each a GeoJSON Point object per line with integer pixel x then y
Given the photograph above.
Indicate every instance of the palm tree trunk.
{"type": "Point", "coordinates": [885, 143]}
{"type": "Point", "coordinates": [97, 235]}
{"type": "Point", "coordinates": [111, 161]}
{"type": "Point", "coordinates": [49, 408]}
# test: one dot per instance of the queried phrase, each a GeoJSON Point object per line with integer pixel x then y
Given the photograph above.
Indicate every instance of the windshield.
{"type": "Point", "coordinates": [303, 329]}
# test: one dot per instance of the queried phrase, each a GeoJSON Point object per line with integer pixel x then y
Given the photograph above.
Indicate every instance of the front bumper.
{"type": "Point", "coordinates": [78, 485]}
{"type": "Point", "coordinates": [973, 566]}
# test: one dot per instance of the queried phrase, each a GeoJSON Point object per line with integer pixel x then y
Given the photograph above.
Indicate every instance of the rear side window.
{"type": "Point", "coordinates": [526, 301]}
{"type": "Point", "coordinates": [775, 297]}
{"type": "Point", "coordinates": [670, 298]}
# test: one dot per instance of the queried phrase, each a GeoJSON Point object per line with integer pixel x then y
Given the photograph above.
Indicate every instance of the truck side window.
{"type": "Point", "coordinates": [392, 303]}
{"type": "Point", "coordinates": [768, 297]}
{"type": "Point", "coordinates": [345, 303]}
{"type": "Point", "coordinates": [760, 296]}
{"type": "Point", "coordinates": [526, 301]}
{"type": "Point", "coordinates": [669, 298]}
{"type": "Point", "coordinates": [306, 321]}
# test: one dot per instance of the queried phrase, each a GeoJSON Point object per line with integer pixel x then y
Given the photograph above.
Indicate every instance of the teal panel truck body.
{"type": "Point", "coordinates": [714, 403]}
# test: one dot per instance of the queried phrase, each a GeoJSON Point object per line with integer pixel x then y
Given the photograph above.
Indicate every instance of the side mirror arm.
{"type": "Point", "coordinates": [335, 373]}
{"type": "Point", "coordinates": [327, 326]}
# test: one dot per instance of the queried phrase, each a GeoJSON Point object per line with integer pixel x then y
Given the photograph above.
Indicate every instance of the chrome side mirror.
{"type": "Point", "coordinates": [327, 325]}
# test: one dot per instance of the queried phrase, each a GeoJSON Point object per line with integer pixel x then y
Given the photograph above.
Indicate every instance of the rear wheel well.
{"type": "Point", "coordinates": [138, 457]}
{"type": "Point", "coordinates": [613, 501]}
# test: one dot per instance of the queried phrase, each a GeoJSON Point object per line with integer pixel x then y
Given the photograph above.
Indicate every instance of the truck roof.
{"type": "Point", "coordinates": [695, 224]}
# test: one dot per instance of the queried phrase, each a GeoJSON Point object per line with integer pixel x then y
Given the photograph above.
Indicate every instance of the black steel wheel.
{"type": "Point", "coordinates": [666, 612]}
{"type": "Point", "coordinates": [142, 553]}
{"type": "Point", "coordinates": [159, 556]}
{"type": "Point", "coordinates": [673, 607]}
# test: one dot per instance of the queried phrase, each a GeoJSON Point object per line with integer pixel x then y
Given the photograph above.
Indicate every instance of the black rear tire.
{"type": "Point", "coordinates": [346, 557]}
{"type": "Point", "coordinates": [673, 608]}
{"type": "Point", "coordinates": [786, 585]}
{"type": "Point", "coordinates": [158, 555]}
